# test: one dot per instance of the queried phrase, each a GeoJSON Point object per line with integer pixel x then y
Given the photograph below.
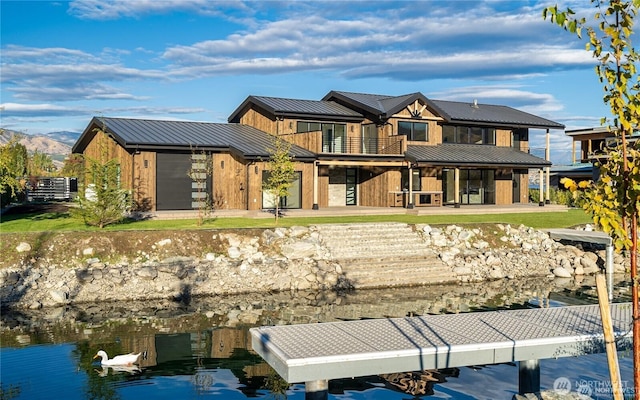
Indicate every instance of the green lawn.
{"type": "Point", "coordinates": [64, 222]}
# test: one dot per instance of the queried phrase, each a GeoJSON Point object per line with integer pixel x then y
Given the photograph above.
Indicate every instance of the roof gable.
{"type": "Point", "coordinates": [143, 134]}
{"type": "Point", "coordinates": [381, 106]}
{"type": "Point", "coordinates": [296, 108]}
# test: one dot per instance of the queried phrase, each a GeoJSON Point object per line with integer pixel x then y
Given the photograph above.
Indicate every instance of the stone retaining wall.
{"type": "Point", "coordinates": [283, 259]}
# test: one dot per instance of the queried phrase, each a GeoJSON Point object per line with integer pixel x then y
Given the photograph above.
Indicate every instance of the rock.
{"type": "Point", "coordinates": [147, 273]}
{"type": "Point", "coordinates": [589, 265]}
{"type": "Point", "coordinates": [210, 256]}
{"type": "Point", "coordinates": [59, 296]}
{"type": "Point", "coordinates": [496, 273]}
{"type": "Point", "coordinates": [561, 272]}
{"type": "Point", "coordinates": [297, 231]}
{"type": "Point", "coordinates": [23, 247]}
{"type": "Point", "coordinates": [163, 242]}
{"type": "Point", "coordinates": [462, 271]}
{"type": "Point", "coordinates": [234, 253]}
{"type": "Point", "coordinates": [299, 250]}
{"type": "Point", "coordinates": [88, 251]}
{"type": "Point", "coordinates": [93, 261]}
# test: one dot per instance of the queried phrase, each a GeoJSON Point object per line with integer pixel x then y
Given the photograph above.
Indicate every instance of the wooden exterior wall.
{"type": "Point", "coordinates": [503, 137]}
{"type": "Point", "coordinates": [229, 182]}
{"type": "Point", "coordinates": [104, 148]}
{"type": "Point", "coordinates": [504, 186]}
{"type": "Point", "coordinates": [375, 186]}
{"type": "Point", "coordinates": [144, 181]}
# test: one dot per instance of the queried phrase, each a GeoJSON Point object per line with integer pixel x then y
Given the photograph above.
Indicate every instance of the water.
{"type": "Point", "coordinates": [203, 350]}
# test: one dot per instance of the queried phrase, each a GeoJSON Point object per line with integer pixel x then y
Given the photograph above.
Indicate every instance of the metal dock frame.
{"type": "Point", "coordinates": [317, 353]}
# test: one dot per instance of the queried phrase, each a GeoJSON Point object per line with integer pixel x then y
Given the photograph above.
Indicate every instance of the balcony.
{"type": "Point", "coordinates": [314, 141]}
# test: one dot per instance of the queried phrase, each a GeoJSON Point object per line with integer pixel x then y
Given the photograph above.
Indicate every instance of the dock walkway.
{"type": "Point", "coordinates": [316, 353]}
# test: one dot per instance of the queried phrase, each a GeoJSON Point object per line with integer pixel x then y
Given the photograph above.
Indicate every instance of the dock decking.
{"type": "Point", "coordinates": [320, 352]}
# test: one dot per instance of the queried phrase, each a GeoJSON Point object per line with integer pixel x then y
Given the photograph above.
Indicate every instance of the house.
{"type": "Point", "coordinates": [593, 143]}
{"type": "Point", "coordinates": [350, 149]}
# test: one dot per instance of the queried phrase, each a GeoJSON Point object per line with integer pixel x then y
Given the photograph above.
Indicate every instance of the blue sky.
{"type": "Point", "coordinates": [64, 62]}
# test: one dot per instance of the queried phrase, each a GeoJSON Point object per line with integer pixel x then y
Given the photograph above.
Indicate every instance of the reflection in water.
{"type": "Point", "coordinates": [207, 347]}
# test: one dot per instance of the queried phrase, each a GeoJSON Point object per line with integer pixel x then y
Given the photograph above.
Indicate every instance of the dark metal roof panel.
{"type": "Point", "coordinates": [470, 154]}
{"type": "Point", "coordinates": [296, 106]}
{"type": "Point", "coordinates": [141, 133]}
{"type": "Point", "coordinates": [455, 111]}
{"type": "Point", "coordinates": [375, 103]}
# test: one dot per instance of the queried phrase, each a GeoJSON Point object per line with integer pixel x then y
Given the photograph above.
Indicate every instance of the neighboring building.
{"type": "Point", "coordinates": [593, 143]}
{"type": "Point", "coordinates": [349, 148]}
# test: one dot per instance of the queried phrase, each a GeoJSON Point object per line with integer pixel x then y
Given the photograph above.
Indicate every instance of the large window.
{"type": "Point", "coordinates": [334, 136]}
{"type": "Point", "coordinates": [468, 135]}
{"type": "Point", "coordinates": [293, 200]}
{"type": "Point", "coordinates": [414, 130]}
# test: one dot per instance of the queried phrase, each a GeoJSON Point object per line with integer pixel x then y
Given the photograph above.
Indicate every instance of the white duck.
{"type": "Point", "coordinates": [125, 359]}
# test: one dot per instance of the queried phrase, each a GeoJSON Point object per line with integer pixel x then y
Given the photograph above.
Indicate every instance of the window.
{"type": "Point", "coordinates": [334, 136]}
{"type": "Point", "coordinates": [304, 126]}
{"type": "Point", "coordinates": [413, 130]}
{"type": "Point", "coordinates": [416, 182]}
{"type": "Point", "coordinates": [293, 200]}
{"type": "Point", "coordinates": [468, 135]}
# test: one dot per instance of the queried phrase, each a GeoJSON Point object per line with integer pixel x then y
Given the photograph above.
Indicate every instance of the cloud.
{"type": "Point", "coordinates": [114, 9]}
{"type": "Point", "coordinates": [47, 109]}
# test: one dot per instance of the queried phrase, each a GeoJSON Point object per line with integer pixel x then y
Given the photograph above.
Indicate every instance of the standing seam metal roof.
{"type": "Point", "coordinates": [472, 154]}
{"type": "Point", "coordinates": [455, 111]}
{"type": "Point", "coordinates": [451, 111]}
{"type": "Point", "coordinates": [140, 134]}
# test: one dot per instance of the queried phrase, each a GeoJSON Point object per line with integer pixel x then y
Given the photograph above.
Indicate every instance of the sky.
{"type": "Point", "coordinates": [61, 63]}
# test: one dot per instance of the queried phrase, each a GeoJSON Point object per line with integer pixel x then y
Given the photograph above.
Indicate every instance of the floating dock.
{"type": "Point", "coordinates": [317, 353]}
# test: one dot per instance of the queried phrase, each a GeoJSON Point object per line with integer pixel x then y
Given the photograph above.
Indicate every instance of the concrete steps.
{"type": "Point", "coordinates": [383, 254]}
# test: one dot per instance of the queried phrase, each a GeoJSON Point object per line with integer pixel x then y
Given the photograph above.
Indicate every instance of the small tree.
{"type": "Point", "coordinates": [280, 174]}
{"type": "Point", "coordinates": [102, 201]}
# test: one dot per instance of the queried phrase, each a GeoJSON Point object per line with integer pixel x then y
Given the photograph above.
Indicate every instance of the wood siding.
{"type": "Point", "coordinates": [144, 181]}
{"type": "Point", "coordinates": [103, 148]}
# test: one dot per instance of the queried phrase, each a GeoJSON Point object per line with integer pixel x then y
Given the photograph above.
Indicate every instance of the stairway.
{"type": "Point", "coordinates": [383, 254]}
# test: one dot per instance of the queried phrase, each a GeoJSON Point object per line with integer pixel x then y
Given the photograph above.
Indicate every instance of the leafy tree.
{"type": "Point", "coordinates": [73, 166]}
{"type": "Point", "coordinates": [614, 200]}
{"type": "Point", "coordinates": [280, 174]}
{"type": "Point", "coordinates": [41, 164]}
{"type": "Point", "coordinates": [102, 201]}
{"type": "Point", "coordinates": [13, 168]}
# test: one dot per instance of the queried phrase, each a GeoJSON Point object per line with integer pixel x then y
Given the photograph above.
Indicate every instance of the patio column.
{"type": "Point", "coordinates": [541, 203]}
{"type": "Point", "coordinates": [315, 186]}
{"type": "Point", "coordinates": [410, 199]}
{"type": "Point", "coordinates": [456, 187]}
{"type": "Point", "coordinates": [547, 156]}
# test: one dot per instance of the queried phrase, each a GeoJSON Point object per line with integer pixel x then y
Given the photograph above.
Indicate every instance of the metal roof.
{"type": "Point", "coordinates": [473, 155]}
{"type": "Point", "coordinates": [488, 114]}
{"type": "Point", "coordinates": [298, 108]}
{"type": "Point", "coordinates": [351, 106]}
{"type": "Point", "coordinates": [144, 134]}
{"type": "Point", "coordinates": [376, 104]}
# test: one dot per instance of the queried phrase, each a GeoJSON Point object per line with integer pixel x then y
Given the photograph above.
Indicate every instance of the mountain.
{"type": "Point", "coordinates": [56, 144]}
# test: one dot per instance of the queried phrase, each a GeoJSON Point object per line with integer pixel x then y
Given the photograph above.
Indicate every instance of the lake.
{"type": "Point", "coordinates": [203, 350]}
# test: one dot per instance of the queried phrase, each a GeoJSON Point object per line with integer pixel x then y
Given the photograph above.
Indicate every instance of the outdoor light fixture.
{"type": "Point", "coordinates": [256, 169]}
{"type": "Point", "coordinates": [222, 164]}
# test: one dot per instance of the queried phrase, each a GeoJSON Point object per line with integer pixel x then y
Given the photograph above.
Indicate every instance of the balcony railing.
{"type": "Point", "coordinates": [314, 141]}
